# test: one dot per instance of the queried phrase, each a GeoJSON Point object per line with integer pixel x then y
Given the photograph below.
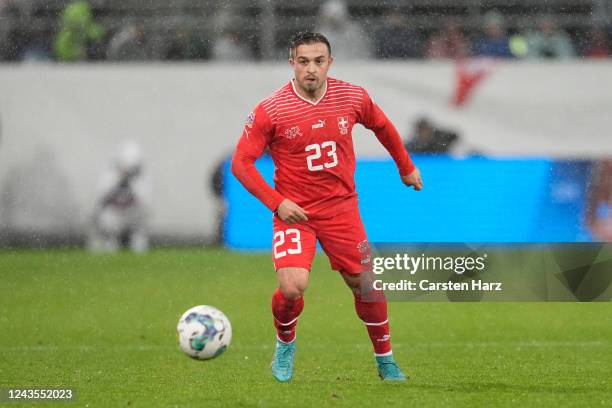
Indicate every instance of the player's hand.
{"type": "Point", "coordinates": [413, 179]}
{"type": "Point", "coordinates": [290, 212]}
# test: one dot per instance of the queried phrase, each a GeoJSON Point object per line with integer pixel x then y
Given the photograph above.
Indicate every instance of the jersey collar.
{"type": "Point", "coordinates": [306, 100]}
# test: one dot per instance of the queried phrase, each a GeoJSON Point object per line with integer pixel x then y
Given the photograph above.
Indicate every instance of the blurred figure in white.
{"type": "Point", "coordinates": [129, 44]}
{"type": "Point", "coordinates": [348, 38]}
{"type": "Point", "coordinates": [549, 42]}
{"type": "Point", "coordinates": [122, 208]}
{"type": "Point", "coordinates": [230, 47]}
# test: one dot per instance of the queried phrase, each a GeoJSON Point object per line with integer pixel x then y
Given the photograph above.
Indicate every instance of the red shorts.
{"type": "Point", "coordinates": [342, 237]}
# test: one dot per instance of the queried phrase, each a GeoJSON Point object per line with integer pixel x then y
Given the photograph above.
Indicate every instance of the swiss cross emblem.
{"type": "Point", "coordinates": [363, 246]}
{"type": "Point", "coordinates": [364, 249]}
{"type": "Point", "coordinates": [293, 132]}
{"type": "Point", "coordinates": [343, 124]}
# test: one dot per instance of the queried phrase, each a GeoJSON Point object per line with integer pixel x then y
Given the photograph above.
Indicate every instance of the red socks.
{"type": "Point", "coordinates": [374, 315]}
{"type": "Point", "coordinates": [286, 313]}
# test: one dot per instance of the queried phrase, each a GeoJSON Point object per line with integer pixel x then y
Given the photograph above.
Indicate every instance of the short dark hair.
{"type": "Point", "coordinates": [307, 37]}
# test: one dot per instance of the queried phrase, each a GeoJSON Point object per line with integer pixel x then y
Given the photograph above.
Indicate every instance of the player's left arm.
{"type": "Point", "coordinates": [373, 118]}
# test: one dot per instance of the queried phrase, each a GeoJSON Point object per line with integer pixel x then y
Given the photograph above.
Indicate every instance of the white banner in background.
{"type": "Point", "coordinates": [61, 125]}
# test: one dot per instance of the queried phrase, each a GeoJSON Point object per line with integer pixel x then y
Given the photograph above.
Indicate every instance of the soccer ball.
{"type": "Point", "coordinates": [204, 332]}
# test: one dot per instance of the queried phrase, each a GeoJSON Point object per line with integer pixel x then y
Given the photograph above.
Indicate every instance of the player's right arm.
{"type": "Point", "coordinates": [256, 135]}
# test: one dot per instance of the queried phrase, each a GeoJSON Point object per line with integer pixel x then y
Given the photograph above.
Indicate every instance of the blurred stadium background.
{"type": "Point", "coordinates": [515, 96]}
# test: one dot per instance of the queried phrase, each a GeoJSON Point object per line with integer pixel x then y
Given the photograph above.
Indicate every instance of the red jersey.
{"type": "Point", "coordinates": [312, 147]}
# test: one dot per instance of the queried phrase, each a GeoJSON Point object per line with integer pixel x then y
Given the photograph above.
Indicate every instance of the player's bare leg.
{"type": "Point", "coordinates": [287, 304]}
{"type": "Point", "coordinates": [371, 307]}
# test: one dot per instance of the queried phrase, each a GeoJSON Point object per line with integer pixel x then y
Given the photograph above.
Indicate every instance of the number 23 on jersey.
{"type": "Point", "coordinates": [318, 150]}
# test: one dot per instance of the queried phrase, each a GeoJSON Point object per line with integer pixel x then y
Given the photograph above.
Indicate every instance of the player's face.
{"type": "Point", "coordinates": [310, 65]}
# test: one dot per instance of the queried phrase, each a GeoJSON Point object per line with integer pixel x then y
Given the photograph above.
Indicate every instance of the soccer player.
{"type": "Point", "coordinates": [306, 125]}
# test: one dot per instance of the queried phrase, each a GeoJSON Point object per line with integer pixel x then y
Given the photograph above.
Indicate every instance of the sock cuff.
{"type": "Point", "coordinates": [377, 324]}
{"type": "Point", "coordinates": [286, 342]}
{"type": "Point", "coordinates": [285, 324]}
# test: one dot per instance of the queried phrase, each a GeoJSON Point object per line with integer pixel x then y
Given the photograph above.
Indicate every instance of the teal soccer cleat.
{"type": "Point", "coordinates": [282, 364]}
{"type": "Point", "coordinates": [388, 370]}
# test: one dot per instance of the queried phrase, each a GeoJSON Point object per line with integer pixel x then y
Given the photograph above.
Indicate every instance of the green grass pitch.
{"type": "Point", "coordinates": [105, 325]}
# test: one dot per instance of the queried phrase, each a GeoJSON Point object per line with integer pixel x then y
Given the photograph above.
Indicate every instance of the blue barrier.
{"type": "Point", "coordinates": [464, 200]}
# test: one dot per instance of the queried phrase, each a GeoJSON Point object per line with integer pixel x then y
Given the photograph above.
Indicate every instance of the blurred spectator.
{"type": "Point", "coordinates": [129, 44]}
{"type": "Point", "coordinates": [429, 139]}
{"type": "Point", "coordinates": [599, 203]}
{"type": "Point", "coordinates": [597, 46]}
{"type": "Point", "coordinates": [122, 209]}
{"type": "Point", "coordinates": [177, 48]}
{"type": "Point", "coordinates": [78, 31]}
{"type": "Point", "coordinates": [448, 43]}
{"type": "Point", "coordinates": [217, 186]}
{"type": "Point", "coordinates": [549, 42]}
{"type": "Point", "coordinates": [5, 28]}
{"type": "Point", "coordinates": [230, 47]}
{"type": "Point", "coordinates": [15, 44]}
{"type": "Point", "coordinates": [396, 39]}
{"type": "Point", "coordinates": [187, 46]}
{"type": "Point", "coordinates": [495, 42]}
{"type": "Point", "coordinates": [13, 36]}
{"type": "Point", "coordinates": [348, 40]}
{"type": "Point", "coordinates": [37, 47]}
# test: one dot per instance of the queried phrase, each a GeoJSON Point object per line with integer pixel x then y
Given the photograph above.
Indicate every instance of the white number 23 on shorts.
{"type": "Point", "coordinates": [292, 235]}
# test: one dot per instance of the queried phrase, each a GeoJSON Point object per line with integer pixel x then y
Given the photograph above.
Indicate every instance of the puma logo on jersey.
{"type": "Point", "coordinates": [343, 124]}
{"type": "Point", "coordinates": [319, 124]}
